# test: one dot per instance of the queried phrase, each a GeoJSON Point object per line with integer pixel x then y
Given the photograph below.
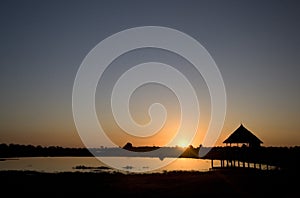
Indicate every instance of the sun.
{"type": "Point", "coordinates": [183, 143]}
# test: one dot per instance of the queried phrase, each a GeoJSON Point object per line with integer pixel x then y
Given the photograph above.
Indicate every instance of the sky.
{"type": "Point", "coordinates": [255, 44]}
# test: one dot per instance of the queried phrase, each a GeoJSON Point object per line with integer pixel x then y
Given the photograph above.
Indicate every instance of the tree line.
{"type": "Point", "coordinates": [279, 156]}
{"type": "Point", "coordinates": [17, 150]}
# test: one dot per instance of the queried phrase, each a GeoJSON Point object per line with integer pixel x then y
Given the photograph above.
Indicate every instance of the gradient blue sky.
{"type": "Point", "coordinates": [255, 44]}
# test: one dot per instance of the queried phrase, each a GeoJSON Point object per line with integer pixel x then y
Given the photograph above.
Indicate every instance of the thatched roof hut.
{"type": "Point", "coordinates": [243, 136]}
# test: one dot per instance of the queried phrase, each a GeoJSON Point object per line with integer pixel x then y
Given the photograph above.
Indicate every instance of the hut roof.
{"type": "Point", "coordinates": [242, 135]}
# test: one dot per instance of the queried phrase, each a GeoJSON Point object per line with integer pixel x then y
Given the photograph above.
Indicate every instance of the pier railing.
{"type": "Point", "coordinates": [256, 157]}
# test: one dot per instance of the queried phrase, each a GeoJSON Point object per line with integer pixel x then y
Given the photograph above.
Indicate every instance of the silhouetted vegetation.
{"type": "Point", "coordinates": [16, 150]}
{"type": "Point", "coordinates": [128, 146]}
{"type": "Point", "coordinates": [190, 152]}
{"type": "Point", "coordinates": [222, 183]}
{"type": "Point", "coordinates": [283, 157]}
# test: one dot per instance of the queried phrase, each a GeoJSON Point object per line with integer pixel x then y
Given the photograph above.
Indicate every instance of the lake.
{"type": "Point", "coordinates": [83, 164]}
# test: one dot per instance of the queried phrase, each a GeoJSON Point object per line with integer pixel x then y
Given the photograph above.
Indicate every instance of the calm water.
{"type": "Point", "coordinates": [139, 164]}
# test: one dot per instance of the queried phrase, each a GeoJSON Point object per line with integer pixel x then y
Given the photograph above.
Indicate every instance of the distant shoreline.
{"type": "Point", "coordinates": [283, 157]}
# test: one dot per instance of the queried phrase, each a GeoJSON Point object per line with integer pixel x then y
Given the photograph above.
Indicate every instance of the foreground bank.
{"type": "Point", "coordinates": [220, 183]}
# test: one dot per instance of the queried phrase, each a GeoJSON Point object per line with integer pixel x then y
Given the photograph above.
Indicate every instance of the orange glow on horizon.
{"type": "Point", "coordinates": [183, 143]}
